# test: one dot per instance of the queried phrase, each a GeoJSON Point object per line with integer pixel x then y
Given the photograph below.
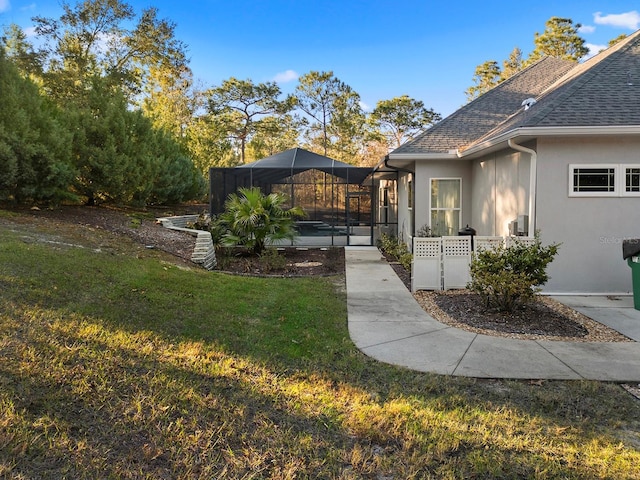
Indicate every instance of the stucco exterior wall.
{"type": "Point", "coordinates": [404, 214]}
{"type": "Point", "coordinates": [591, 229]}
{"type": "Point", "coordinates": [500, 186]}
{"type": "Point", "coordinates": [495, 191]}
{"type": "Point", "coordinates": [424, 172]}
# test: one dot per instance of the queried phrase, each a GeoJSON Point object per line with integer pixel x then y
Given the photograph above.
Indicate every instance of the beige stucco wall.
{"type": "Point", "coordinates": [411, 220]}
{"type": "Point", "coordinates": [404, 215]}
{"type": "Point", "coordinates": [591, 230]}
{"type": "Point", "coordinates": [424, 172]}
{"type": "Point", "coordinates": [500, 186]}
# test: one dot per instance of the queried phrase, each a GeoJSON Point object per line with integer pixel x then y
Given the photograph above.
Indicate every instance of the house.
{"type": "Point", "coordinates": [555, 149]}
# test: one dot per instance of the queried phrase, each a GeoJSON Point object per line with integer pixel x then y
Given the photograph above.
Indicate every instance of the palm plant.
{"type": "Point", "coordinates": [252, 219]}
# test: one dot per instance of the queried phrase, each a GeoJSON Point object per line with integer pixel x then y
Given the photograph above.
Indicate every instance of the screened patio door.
{"type": "Point", "coordinates": [359, 217]}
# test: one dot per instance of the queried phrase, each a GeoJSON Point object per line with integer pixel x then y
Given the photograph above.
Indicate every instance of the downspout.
{"type": "Point", "coordinates": [533, 174]}
{"type": "Point", "coordinates": [399, 169]}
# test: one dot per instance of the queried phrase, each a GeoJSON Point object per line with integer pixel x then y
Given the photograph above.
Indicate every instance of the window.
{"type": "Point", "coordinates": [632, 180]}
{"type": "Point", "coordinates": [446, 195]}
{"type": "Point", "coordinates": [594, 179]}
{"type": "Point", "coordinates": [604, 180]}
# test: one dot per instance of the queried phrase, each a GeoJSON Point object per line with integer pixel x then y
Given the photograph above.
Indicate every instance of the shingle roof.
{"type": "Point", "coordinates": [593, 93]}
{"type": "Point", "coordinates": [484, 113]}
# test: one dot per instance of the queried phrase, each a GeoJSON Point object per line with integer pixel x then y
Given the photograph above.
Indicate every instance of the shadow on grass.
{"type": "Point", "coordinates": [130, 365]}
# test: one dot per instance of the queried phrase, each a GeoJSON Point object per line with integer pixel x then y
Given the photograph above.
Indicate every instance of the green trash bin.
{"type": "Point", "coordinates": [634, 263]}
{"type": "Point", "coordinates": [631, 253]}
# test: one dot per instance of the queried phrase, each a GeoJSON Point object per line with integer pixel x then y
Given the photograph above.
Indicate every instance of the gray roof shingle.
{"type": "Point", "coordinates": [593, 93]}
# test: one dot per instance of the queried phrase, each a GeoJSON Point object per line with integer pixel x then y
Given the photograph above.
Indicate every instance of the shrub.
{"type": "Point", "coordinates": [425, 231]}
{"type": "Point", "coordinates": [394, 247]}
{"type": "Point", "coordinates": [510, 276]}
{"type": "Point", "coordinates": [252, 219]}
{"type": "Point", "coordinates": [270, 260]}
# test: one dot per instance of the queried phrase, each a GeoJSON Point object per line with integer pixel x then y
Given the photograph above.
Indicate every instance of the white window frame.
{"type": "Point", "coordinates": [619, 178]}
{"type": "Point", "coordinates": [431, 209]}
{"type": "Point", "coordinates": [623, 179]}
{"type": "Point", "coordinates": [574, 167]}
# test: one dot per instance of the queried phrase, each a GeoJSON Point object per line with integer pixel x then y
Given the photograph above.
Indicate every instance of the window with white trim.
{"type": "Point", "coordinates": [631, 179]}
{"type": "Point", "coordinates": [604, 180]}
{"type": "Point", "coordinates": [446, 206]}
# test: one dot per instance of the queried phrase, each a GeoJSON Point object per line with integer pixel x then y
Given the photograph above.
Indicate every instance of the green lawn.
{"type": "Point", "coordinates": [117, 363]}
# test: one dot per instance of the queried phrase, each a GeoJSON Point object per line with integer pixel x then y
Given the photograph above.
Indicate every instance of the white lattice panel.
{"type": "Point", "coordinates": [426, 247]}
{"type": "Point", "coordinates": [456, 257]}
{"type": "Point", "coordinates": [456, 246]}
{"type": "Point", "coordinates": [426, 270]}
{"type": "Point", "coordinates": [486, 243]}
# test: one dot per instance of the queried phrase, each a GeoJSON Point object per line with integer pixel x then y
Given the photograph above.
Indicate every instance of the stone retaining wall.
{"type": "Point", "coordinates": [204, 252]}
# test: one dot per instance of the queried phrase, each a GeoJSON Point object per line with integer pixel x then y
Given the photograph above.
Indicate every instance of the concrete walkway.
{"type": "Point", "coordinates": [386, 323]}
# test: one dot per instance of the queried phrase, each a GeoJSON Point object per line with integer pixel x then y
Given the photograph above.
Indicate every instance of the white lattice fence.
{"type": "Point", "coordinates": [443, 262]}
{"type": "Point", "coordinates": [456, 257]}
{"type": "Point", "coordinates": [426, 272]}
{"type": "Point", "coordinates": [481, 242]}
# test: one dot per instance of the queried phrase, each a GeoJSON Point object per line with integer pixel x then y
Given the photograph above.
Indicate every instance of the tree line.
{"type": "Point", "coordinates": [102, 106]}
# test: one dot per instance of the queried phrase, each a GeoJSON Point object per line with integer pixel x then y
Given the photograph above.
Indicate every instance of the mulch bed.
{"type": "Point", "coordinates": [290, 262]}
{"type": "Point", "coordinates": [536, 318]}
{"type": "Point", "coordinates": [542, 319]}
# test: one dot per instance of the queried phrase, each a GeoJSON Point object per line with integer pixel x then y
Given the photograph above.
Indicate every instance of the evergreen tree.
{"type": "Point", "coordinates": [274, 134]}
{"type": "Point", "coordinates": [487, 76]}
{"type": "Point", "coordinates": [401, 119]}
{"type": "Point", "coordinates": [18, 49]}
{"type": "Point", "coordinates": [560, 39]}
{"type": "Point", "coordinates": [121, 158]}
{"type": "Point", "coordinates": [512, 65]}
{"type": "Point", "coordinates": [334, 122]}
{"type": "Point", "coordinates": [240, 105]}
{"type": "Point", "coordinates": [34, 142]}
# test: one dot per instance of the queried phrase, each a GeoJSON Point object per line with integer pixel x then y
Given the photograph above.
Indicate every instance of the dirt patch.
{"type": "Point", "coordinates": [97, 223]}
{"type": "Point", "coordinates": [143, 228]}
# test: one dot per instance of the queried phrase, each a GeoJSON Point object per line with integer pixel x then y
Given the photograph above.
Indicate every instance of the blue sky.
{"type": "Point", "coordinates": [382, 48]}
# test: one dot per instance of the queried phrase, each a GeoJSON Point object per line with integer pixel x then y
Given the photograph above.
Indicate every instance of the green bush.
{"type": "Point", "coordinates": [394, 247]}
{"type": "Point", "coordinates": [508, 277]}
{"type": "Point", "coordinates": [253, 219]}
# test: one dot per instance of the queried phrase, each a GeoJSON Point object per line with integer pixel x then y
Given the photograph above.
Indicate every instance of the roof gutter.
{"type": "Point", "coordinates": [533, 174]}
{"type": "Point", "coordinates": [397, 169]}
{"type": "Point", "coordinates": [550, 132]}
{"type": "Point", "coordinates": [451, 155]}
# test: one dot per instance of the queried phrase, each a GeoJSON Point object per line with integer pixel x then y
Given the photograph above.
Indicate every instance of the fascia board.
{"type": "Point", "coordinates": [423, 156]}
{"type": "Point", "coordinates": [534, 132]}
